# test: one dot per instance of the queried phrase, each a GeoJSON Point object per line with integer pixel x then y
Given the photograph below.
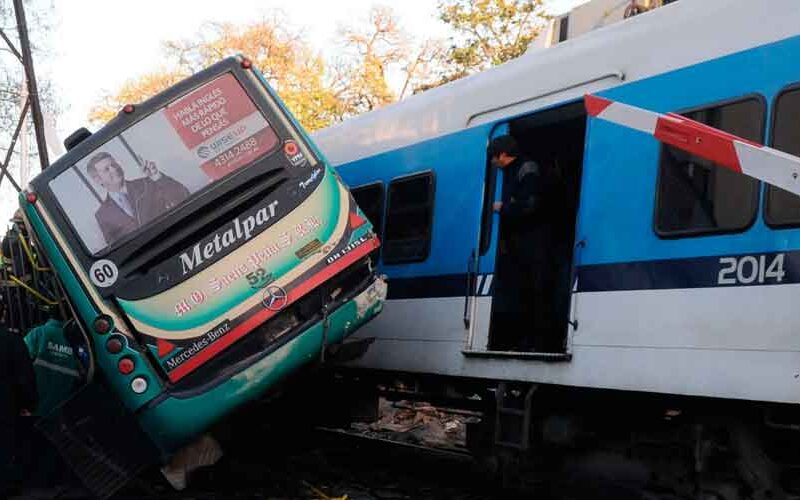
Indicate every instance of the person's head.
{"type": "Point", "coordinates": [105, 170]}
{"type": "Point", "coordinates": [503, 150]}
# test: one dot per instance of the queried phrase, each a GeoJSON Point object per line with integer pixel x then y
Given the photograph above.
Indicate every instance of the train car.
{"type": "Point", "coordinates": [206, 251]}
{"type": "Point", "coordinates": [673, 360]}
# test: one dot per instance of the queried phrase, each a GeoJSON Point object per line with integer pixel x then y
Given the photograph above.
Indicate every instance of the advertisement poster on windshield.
{"type": "Point", "coordinates": [222, 126]}
{"type": "Point", "coordinates": [154, 166]}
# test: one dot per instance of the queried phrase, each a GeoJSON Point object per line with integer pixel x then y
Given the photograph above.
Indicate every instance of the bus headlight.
{"type": "Point", "coordinates": [139, 385]}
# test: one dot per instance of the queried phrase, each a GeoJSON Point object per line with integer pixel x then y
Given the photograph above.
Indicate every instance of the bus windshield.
{"type": "Point", "coordinates": [154, 166]}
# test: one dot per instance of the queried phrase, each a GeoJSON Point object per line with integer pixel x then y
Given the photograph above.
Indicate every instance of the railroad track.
{"type": "Point", "coordinates": [330, 464]}
{"type": "Point", "coordinates": [455, 453]}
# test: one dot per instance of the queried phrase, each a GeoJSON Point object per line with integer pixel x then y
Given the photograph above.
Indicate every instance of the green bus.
{"type": "Point", "coordinates": [206, 250]}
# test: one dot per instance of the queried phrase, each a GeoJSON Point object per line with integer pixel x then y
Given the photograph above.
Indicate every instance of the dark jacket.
{"type": "Point", "coordinates": [148, 199]}
{"type": "Point", "coordinates": [527, 195]}
{"type": "Point", "coordinates": [17, 379]}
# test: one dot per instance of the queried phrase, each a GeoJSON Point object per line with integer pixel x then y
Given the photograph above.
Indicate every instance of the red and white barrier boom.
{"type": "Point", "coordinates": [740, 155]}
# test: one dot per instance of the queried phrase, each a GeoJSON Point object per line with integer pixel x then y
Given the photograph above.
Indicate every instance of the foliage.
{"type": "Point", "coordinates": [134, 91]}
{"type": "Point", "coordinates": [376, 49]}
{"type": "Point", "coordinates": [373, 54]}
{"type": "Point", "coordinates": [378, 45]}
{"type": "Point", "coordinates": [488, 32]}
{"type": "Point", "coordinates": [288, 63]}
{"type": "Point", "coordinates": [296, 71]}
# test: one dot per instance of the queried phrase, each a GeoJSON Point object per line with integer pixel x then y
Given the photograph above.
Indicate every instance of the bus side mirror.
{"type": "Point", "coordinates": [76, 138]}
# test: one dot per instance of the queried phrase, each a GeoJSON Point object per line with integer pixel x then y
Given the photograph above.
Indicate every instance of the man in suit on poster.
{"type": "Point", "coordinates": [131, 204]}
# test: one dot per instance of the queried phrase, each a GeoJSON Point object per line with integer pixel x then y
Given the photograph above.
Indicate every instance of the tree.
{"type": "Point", "coordinates": [295, 71]}
{"type": "Point", "coordinates": [291, 66]}
{"type": "Point", "coordinates": [376, 50]}
{"type": "Point", "coordinates": [423, 67]}
{"type": "Point", "coordinates": [12, 75]}
{"type": "Point", "coordinates": [378, 62]}
{"type": "Point", "coordinates": [13, 92]}
{"type": "Point", "coordinates": [363, 78]}
{"type": "Point", "coordinates": [488, 32]}
{"type": "Point", "coordinates": [133, 91]}
{"type": "Point", "coordinates": [317, 93]}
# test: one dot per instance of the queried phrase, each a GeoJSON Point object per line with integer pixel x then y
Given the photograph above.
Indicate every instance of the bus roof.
{"type": "Point", "coordinates": [675, 36]}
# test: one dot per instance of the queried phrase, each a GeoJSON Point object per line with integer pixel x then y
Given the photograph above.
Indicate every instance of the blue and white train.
{"type": "Point", "coordinates": [677, 299]}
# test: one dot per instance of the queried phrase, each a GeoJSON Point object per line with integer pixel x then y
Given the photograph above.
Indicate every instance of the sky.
{"type": "Point", "coordinates": [99, 44]}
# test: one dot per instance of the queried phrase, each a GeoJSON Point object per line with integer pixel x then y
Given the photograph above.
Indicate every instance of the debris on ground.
{"type": "Point", "coordinates": [419, 423]}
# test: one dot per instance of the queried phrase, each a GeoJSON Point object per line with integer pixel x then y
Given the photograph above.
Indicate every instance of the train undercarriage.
{"type": "Point", "coordinates": [576, 443]}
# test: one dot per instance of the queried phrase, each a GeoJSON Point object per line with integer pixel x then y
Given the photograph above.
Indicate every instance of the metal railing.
{"type": "Point", "coordinates": [28, 288]}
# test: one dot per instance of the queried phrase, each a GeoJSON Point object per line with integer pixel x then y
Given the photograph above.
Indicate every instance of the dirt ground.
{"type": "Point", "coordinates": [413, 451]}
{"type": "Point", "coordinates": [312, 463]}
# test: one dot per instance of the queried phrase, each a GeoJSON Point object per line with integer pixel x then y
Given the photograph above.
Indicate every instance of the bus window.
{"type": "Point", "coordinates": [409, 219]}
{"type": "Point", "coordinates": [783, 207]}
{"type": "Point", "coordinates": [694, 196]}
{"type": "Point", "coordinates": [370, 199]}
{"type": "Point", "coordinates": [154, 166]}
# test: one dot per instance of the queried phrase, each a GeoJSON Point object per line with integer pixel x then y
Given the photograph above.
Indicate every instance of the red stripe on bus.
{"type": "Point", "coordinates": [699, 139]}
{"type": "Point", "coordinates": [595, 105]}
{"type": "Point", "coordinates": [262, 316]}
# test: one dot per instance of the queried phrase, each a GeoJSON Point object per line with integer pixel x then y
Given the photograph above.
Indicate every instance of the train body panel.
{"type": "Point", "coordinates": [749, 374]}
{"type": "Point", "coordinates": [683, 34]}
{"type": "Point", "coordinates": [696, 314]}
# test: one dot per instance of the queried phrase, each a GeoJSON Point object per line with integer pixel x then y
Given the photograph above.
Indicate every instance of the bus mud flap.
{"type": "Point", "coordinates": [100, 439]}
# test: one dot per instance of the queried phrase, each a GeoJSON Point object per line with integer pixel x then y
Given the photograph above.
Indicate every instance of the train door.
{"type": "Point", "coordinates": [532, 256]}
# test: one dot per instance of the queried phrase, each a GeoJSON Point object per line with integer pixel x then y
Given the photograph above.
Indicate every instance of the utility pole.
{"type": "Point", "coordinates": [33, 93]}
{"type": "Point", "coordinates": [24, 160]}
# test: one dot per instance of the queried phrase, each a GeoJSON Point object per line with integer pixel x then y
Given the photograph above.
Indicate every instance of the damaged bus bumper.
{"type": "Point", "coordinates": [251, 377]}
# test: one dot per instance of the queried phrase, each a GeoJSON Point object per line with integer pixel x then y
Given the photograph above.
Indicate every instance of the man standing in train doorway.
{"type": "Point", "coordinates": [521, 317]}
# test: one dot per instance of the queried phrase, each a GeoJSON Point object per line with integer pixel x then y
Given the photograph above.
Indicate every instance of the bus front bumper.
{"type": "Point", "coordinates": [175, 419]}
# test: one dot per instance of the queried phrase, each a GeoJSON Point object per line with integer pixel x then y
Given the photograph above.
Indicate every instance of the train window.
{"type": "Point", "coordinates": [783, 207]}
{"type": "Point", "coordinates": [695, 196]}
{"type": "Point", "coordinates": [409, 219]}
{"type": "Point", "coordinates": [370, 199]}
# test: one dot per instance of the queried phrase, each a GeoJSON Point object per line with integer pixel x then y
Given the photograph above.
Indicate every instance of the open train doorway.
{"type": "Point", "coordinates": [530, 307]}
